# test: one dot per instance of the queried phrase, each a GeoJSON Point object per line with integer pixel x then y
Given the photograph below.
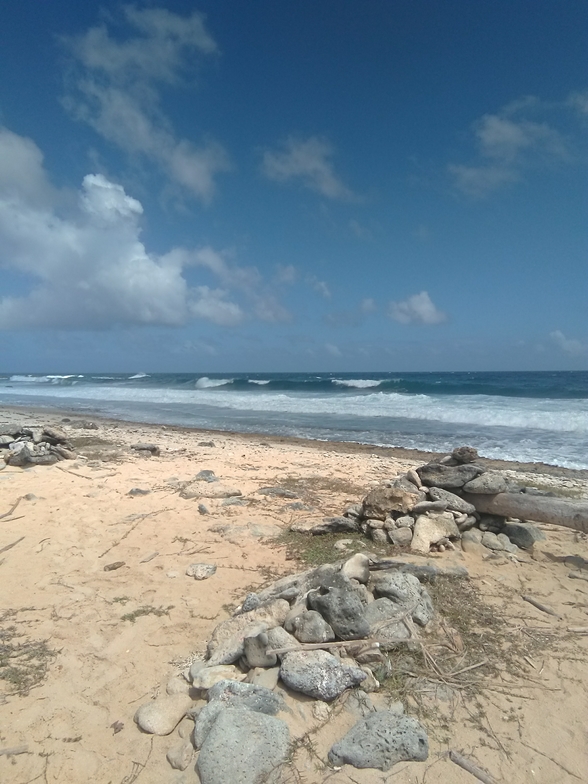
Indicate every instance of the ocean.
{"type": "Point", "coordinates": [529, 417]}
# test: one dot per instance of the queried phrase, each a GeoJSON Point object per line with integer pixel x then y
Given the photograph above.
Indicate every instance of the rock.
{"type": "Point", "coordinates": [379, 611]}
{"type": "Point", "coordinates": [404, 483]}
{"type": "Point", "coordinates": [277, 492]}
{"type": "Point", "coordinates": [319, 674]}
{"type": "Point", "coordinates": [63, 453]}
{"type": "Point", "coordinates": [279, 638]}
{"type": "Point", "coordinates": [430, 529]}
{"type": "Point", "coordinates": [379, 536]}
{"type": "Point", "coordinates": [177, 685]}
{"type": "Point", "coordinates": [371, 683]}
{"type": "Point", "coordinates": [465, 454]}
{"type": "Point", "coordinates": [343, 544]}
{"type": "Point", "coordinates": [206, 677]}
{"type": "Point", "coordinates": [180, 756]}
{"type": "Point", "coordinates": [138, 491]}
{"type": "Point", "coordinates": [24, 453]}
{"type": "Point", "coordinates": [200, 571]}
{"type": "Point", "coordinates": [321, 711]}
{"type": "Point", "coordinates": [448, 477]}
{"type": "Point", "coordinates": [429, 506]}
{"type": "Point", "coordinates": [524, 535]}
{"type": "Point", "coordinates": [353, 511]}
{"type": "Point", "coordinates": [206, 475]}
{"type": "Point", "coordinates": [423, 572]}
{"type": "Point", "coordinates": [244, 747]}
{"type": "Point", "coordinates": [474, 535]}
{"type": "Point", "coordinates": [375, 524]}
{"type": "Point", "coordinates": [474, 548]}
{"type": "Point", "coordinates": [54, 435]}
{"type": "Point", "coordinates": [255, 648]}
{"type": "Point", "coordinates": [203, 509]}
{"type": "Point", "coordinates": [82, 424]}
{"type": "Point", "coordinates": [401, 537]}
{"type": "Point", "coordinates": [251, 602]}
{"type": "Point", "coordinates": [311, 627]}
{"type": "Point", "coordinates": [162, 716]}
{"type": "Point", "coordinates": [406, 521]}
{"type": "Point", "coordinates": [383, 500]}
{"type": "Point", "coordinates": [380, 740]}
{"type": "Point", "coordinates": [414, 478]}
{"type": "Point", "coordinates": [152, 448]}
{"type": "Point", "coordinates": [491, 541]}
{"type": "Point", "coordinates": [454, 502]}
{"type": "Point", "coordinates": [226, 643]}
{"type": "Point", "coordinates": [507, 545]}
{"type": "Point", "coordinates": [467, 524]}
{"type": "Point", "coordinates": [264, 676]}
{"type": "Point", "coordinates": [329, 525]}
{"type": "Point", "coordinates": [216, 490]}
{"type": "Point", "coordinates": [490, 522]}
{"type": "Point", "coordinates": [489, 483]}
{"type": "Point", "coordinates": [341, 607]}
{"type": "Point", "coordinates": [206, 443]}
{"type": "Point", "coordinates": [359, 704]}
{"type": "Point", "coordinates": [407, 594]}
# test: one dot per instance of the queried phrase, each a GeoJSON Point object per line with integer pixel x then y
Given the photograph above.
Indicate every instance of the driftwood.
{"type": "Point", "coordinates": [476, 772]}
{"type": "Point", "coordinates": [539, 508]}
{"type": "Point", "coordinates": [543, 607]}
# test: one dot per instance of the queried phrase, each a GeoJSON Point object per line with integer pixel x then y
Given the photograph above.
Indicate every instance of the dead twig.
{"type": "Point", "coordinates": [12, 508]}
{"type": "Point", "coordinates": [467, 669]}
{"type": "Point", "coordinates": [10, 546]}
{"type": "Point", "coordinates": [139, 519]}
{"type": "Point", "coordinates": [540, 606]}
{"type": "Point", "coordinates": [75, 473]}
{"type": "Point", "coordinates": [468, 766]}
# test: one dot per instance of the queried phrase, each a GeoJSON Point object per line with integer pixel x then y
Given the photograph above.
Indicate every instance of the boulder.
{"type": "Point", "coordinates": [465, 454]}
{"type": "Point", "coordinates": [319, 674]}
{"type": "Point", "coordinates": [490, 483]}
{"type": "Point", "coordinates": [254, 649]}
{"type": "Point", "coordinates": [407, 595]}
{"type": "Point", "coordinates": [226, 643]}
{"type": "Point", "coordinates": [430, 529]}
{"type": "Point", "coordinates": [311, 627]}
{"type": "Point", "coordinates": [447, 477]}
{"type": "Point", "coordinates": [162, 716]}
{"type": "Point", "coordinates": [357, 568]}
{"type": "Point", "coordinates": [245, 747]}
{"type": "Point", "coordinates": [491, 541]}
{"type": "Point", "coordinates": [429, 506]}
{"type": "Point", "coordinates": [380, 740]}
{"type": "Point", "coordinates": [341, 607]}
{"type": "Point", "coordinates": [400, 537]}
{"type": "Point", "coordinates": [454, 502]}
{"type": "Point", "coordinates": [383, 499]}
{"type": "Point", "coordinates": [524, 535]}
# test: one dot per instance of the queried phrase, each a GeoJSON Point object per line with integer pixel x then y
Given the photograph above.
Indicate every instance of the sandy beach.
{"type": "Point", "coordinates": [105, 641]}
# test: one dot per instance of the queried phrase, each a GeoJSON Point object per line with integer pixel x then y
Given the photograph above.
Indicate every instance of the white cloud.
{"type": "Point", "coordinates": [368, 305]}
{"type": "Point", "coordinates": [286, 274]}
{"type": "Point", "coordinates": [418, 309]}
{"type": "Point", "coordinates": [308, 160]}
{"type": "Point", "coordinates": [116, 93]}
{"type": "Point", "coordinates": [579, 101]}
{"type": "Point", "coordinates": [90, 268]}
{"type": "Point", "coordinates": [319, 286]}
{"type": "Point", "coordinates": [568, 345]}
{"type": "Point", "coordinates": [509, 143]}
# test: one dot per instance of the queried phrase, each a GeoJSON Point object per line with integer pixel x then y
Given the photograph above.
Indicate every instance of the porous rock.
{"type": "Point", "coordinates": [447, 477]}
{"type": "Point", "coordinates": [341, 607]}
{"type": "Point", "coordinates": [380, 740]}
{"type": "Point", "coordinates": [490, 483]}
{"type": "Point", "coordinates": [254, 649]}
{"type": "Point", "coordinates": [226, 643]}
{"type": "Point", "coordinates": [407, 594]}
{"type": "Point", "coordinates": [465, 454]}
{"type": "Point", "coordinates": [243, 746]}
{"type": "Point", "coordinates": [201, 571]}
{"type": "Point", "coordinates": [430, 529]}
{"type": "Point", "coordinates": [279, 638]}
{"type": "Point", "coordinates": [162, 716]}
{"type": "Point", "coordinates": [383, 499]}
{"type": "Point", "coordinates": [319, 674]}
{"type": "Point", "coordinates": [311, 627]}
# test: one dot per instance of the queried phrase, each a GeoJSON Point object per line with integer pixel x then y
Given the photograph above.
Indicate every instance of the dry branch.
{"type": "Point", "coordinates": [543, 607]}
{"type": "Point", "coordinates": [475, 771]}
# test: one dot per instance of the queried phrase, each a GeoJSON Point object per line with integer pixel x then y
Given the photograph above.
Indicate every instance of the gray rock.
{"type": "Point", "coordinates": [329, 525]}
{"type": "Point", "coordinates": [448, 477]}
{"type": "Point", "coordinates": [454, 502]}
{"type": "Point", "coordinates": [491, 541]}
{"type": "Point", "coordinates": [215, 490]}
{"type": "Point", "coordinates": [507, 545]}
{"type": "Point", "coordinates": [474, 548]}
{"type": "Point", "coordinates": [429, 506]}
{"type": "Point", "coordinates": [379, 611]}
{"type": "Point", "coordinates": [465, 454]}
{"type": "Point", "coordinates": [277, 492]}
{"type": "Point", "coordinates": [203, 677]}
{"type": "Point", "coordinates": [162, 716]}
{"type": "Point", "coordinates": [467, 524]}
{"type": "Point", "coordinates": [408, 485]}
{"type": "Point", "coordinates": [23, 453]}
{"type": "Point", "coordinates": [203, 509]}
{"type": "Point", "coordinates": [359, 704]}
{"type": "Point", "coordinates": [379, 536]}
{"type": "Point", "coordinates": [401, 537]}
{"type": "Point", "coordinates": [279, 638]}
{"type": "Point", "coordinates": [138, 491]}
{"type": "Point", "coordinates": [201, 571]}
{"type": "Point", "coordinates": [206, 476]}
{"type": "Point", "coordinates": [383, 499]}
{"type": "Point", "coordinates": [310, 626]}
{"type": "Point", "coordinates": [430, 529]}
{"type": "Point", "coordinates": [319, 674]}
{"type": "Point", "coordinates": [254, 649]}
{"type": "Point", "coordinates": [524, 535]}
{"type": "Point", "coordinates": [226, 643]}
{"type": "Point", "coordinates": [353, 511]}
{"type": "Point", "coordinates": [407, 593]}
{"type": "Point", "coordinates": [53, 435]}
{"type": "Point", "coordinates": [341, 607]}
{"type": "Point", "coordinates": [490, 522]}
{"type": "Point", "coordinates": [375, 524]}
{"type": "Point", "coordinates": [473, 535]}
{"type": "Point", "coordinates": [262, 676]}
{"type": "Point", "coordinates": [251, 602]}
{"type": "Point", "coordinates": [406, 521]}
{"type": "Point", "coordinates": [380, 740]}
{"type": "Point", "coordinates": [489, 484]}
{"type": "Point", "coordinates": [152, 448]}
{"type": "Point", "coordinates": [180, 756]}
{"type": "Point", "coordinates": [244, 747]}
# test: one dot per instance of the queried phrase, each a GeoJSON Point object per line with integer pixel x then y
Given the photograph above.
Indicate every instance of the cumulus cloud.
{"type": "Point", "coordinates": [309, 161]}
{"type": "Point", "coordinates": [418, 309]}
{"type": "Point", "coordinates": [568, 345]}
{"type": "Point", "coordinates": [116, 91]}
{"type": "Point", "coordinates": [89, 267]}
{"type": "Point", "coordinates": [511, 142]}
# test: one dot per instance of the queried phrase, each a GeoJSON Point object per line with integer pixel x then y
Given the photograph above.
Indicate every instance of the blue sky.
{"type": "Point", "coordinates": [269, 185]}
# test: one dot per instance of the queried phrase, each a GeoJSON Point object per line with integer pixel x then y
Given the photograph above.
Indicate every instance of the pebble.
{"type": "Point", "coordinates": [201, 571]}
{"type": "Point", "coordinates": [162, 716]}
{"type": "Point", "coordinates": [207, 677]}
{"type": "Point", "coordinates": [343, 544]}
{"type": "Point", "coordinates": [180, 756]}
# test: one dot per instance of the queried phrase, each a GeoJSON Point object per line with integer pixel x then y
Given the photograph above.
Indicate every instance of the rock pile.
{"type": "Point", "coordinates": [317, 634]}
{"type": "Point", "coordinates": [29, 446]}
{"type": "Point", "coordinates": [429, 509]}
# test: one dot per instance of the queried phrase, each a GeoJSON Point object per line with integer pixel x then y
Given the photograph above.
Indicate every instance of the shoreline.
{"type": "Point", "coordinates": [58, 415]}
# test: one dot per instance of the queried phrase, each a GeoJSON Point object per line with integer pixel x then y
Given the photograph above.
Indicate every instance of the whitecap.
{"type": "Point", "coordinates": [259, 383]}
{"type": "Point", "coordinates": [139, 375]}
{"type": "Point", "coordinates": [209, 383]}
{"type": "Point", "coordinates": [356, 383]}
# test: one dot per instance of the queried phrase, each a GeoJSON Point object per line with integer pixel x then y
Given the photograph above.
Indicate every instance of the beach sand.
{"type": "Point", "coordinates": [76, 517]}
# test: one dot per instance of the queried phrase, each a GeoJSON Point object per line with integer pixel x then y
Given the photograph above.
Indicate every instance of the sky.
{"type": "Point", "coordinates": [270, 185]}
